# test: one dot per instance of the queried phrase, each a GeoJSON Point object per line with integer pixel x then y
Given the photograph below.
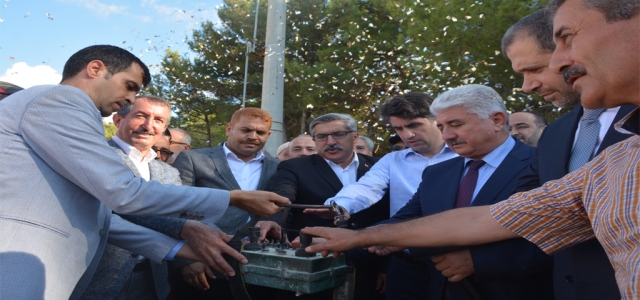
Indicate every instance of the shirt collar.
{"type": "Point", "coordinates": [228, 153]}
{"type": "Point", "coordinates": [410, 151]}
{"type": "Point", "coordinates": [630, 124]}
{"type": "Point", "coordinates": [495, 157]}
{"type": "Point", "coordinates": [132, 152]}
{"type": "Point", "coordinates": [354, 161]}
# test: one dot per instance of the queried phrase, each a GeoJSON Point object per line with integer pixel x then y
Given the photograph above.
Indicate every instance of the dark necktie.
{"type": "Point", "coordinates": [468, 184]}
{"type": "Point", "coordinates": [587, 139]}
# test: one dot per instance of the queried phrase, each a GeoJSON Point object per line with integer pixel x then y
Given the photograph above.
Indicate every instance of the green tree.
{"type": "Point", "coordinates": [347, 56]}
{"type": "Point", "coordinates": [109, 130]}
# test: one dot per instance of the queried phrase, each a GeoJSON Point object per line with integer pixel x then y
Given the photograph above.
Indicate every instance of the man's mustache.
{"type": "Point", "coordinates": [332, 147]}
{"type": "Point", "coordinates": [573, 70]}
{"type": "Point", "coordinates": [144, 131]}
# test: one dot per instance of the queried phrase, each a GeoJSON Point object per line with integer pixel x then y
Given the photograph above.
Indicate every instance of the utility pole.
{"type": "Point", "coordinates": [273, 80]}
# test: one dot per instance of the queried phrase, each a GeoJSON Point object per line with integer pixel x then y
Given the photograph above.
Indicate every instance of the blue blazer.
{"type": "Point", "coordinates": [511, 269]}
{"type": "Point", "coordinates": [583, 271]}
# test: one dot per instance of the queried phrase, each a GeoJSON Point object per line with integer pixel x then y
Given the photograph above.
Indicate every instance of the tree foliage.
{"type": "Point", "coordinates": [344, 56]}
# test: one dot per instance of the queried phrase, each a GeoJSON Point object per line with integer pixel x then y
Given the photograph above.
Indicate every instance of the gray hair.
{"type": "Point", "coordinates": [155, 99]}
{"type": "Point", "coordinates": [613, 10]}
{"type": "Point", "coordinates": [477, 99]}
{"type": "Point", "coordinates": [538, 26]}
{"type": "Point", "coordinates": [186, 136]}
{"type": "Point", "coordinates": [367, 141]}
{"type": "Point", "coordinates": [350, 123]}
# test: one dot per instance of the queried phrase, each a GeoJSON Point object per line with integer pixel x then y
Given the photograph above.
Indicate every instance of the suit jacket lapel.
{"type": "Point", "coordinates": [509, 168]}
{"type": "Point", "coordinates": [222, 166]}
{"type": "Point", "coordinates": [125, 158]}
{"type": "Point", "coordinates": [325, 171]}
{"type": "Point", "coordinates": [269, 165]}
{"type": "Point", "coordinates": [613, 136]}
{"type": "Point", "coordinates": [449, 190]}
{"type": "Point", "coordinates": [156, 172]}
{"type": "Point", "coordinates": [363, 166]}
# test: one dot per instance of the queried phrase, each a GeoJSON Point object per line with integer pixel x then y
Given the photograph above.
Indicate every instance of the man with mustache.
{"type": "Point", "coordinates": [237, 164]}
{"type": "Point", "coordinates": [599, 200]}
{"type": "Point", "coordinates": [583, 271]}
{"type": "Point", "coordinates": [314, 178]}
{"type": "Point", "coordinates": [122, 274]}
{"type": "Point", "coordinates": [473, 120]}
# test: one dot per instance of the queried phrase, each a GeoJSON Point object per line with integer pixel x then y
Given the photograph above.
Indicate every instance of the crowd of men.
{"type": "Point", "coordinates": [471, 202]}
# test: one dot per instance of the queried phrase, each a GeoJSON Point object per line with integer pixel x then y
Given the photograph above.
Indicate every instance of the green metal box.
{"type": "Point", "coordinates": [286, 271]}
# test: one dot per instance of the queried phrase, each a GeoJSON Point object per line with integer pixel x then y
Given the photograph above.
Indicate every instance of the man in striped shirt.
{"type": "Point", "coordinates": [597, 42]}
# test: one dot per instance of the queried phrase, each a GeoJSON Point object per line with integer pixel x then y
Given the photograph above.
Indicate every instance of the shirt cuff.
{"type": "Point", "coordinates": [174, 251]}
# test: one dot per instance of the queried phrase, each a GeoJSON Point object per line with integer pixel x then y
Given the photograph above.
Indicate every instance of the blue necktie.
{"type": "Point", "coordinates": [587, 139]}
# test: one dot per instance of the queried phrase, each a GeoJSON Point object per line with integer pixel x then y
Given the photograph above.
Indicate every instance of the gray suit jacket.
{"type": "Point", "coordinates": [208, 167]}
{"type": "Point", "coordinates": [59, 181]}
{"type": "Point", "coordinates": [116, 263]}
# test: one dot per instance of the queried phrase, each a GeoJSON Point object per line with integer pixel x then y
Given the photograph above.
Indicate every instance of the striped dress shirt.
{"type": "Point", "coordinates": [601, 200]}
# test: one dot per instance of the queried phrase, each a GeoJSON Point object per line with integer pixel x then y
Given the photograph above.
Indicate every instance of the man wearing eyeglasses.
{"type": "Point", "coordinates": [314, 178]}
{"type": "Point", "coordinates": [162, 145]}
{"type": "Point", "coordinates": [180, 141]}
{"type": "Point", "coordinates": [397, 173]}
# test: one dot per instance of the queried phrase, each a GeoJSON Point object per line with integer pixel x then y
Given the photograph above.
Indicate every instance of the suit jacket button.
{"type": "Point", "coordinates": [101, 231]}
{"type": "Point", "coordinates": [569, 279]}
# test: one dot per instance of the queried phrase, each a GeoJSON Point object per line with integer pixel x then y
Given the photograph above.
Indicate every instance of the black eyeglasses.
{"type": "Point", "coordinates": [337, 135]}
{"type": "Point", "coordinates": [397, 148]}
{"type": "Point", "coordinates": [162, 152]}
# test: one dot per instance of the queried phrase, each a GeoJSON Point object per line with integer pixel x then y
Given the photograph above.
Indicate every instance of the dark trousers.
{"type": "Point", "coordinates": [407, 278]}
{"type": "Point", "coordinates": [139, 285]}
{"type": "Point", "coordinates": [367, 266]}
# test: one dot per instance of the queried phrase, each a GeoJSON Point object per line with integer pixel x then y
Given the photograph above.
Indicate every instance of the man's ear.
{"type": "Point", "coordinates": [227, 129]}
{"type": "Point", "coordinates": [116, 120]}
{"type": "Point", "coordinates": [500, 120]}
{"type": "Point", "coordinates": [95, 68]}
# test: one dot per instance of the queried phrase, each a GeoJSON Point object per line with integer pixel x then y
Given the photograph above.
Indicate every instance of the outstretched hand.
{"type": "Point", "coordinates": [385, 250]}
{"type": "Point", "coordinates": [258, 202]}
{"type": "Point", "coordinates": [208, 244]}
{"type": "Point", "coordinates": [269, 228]}
{"type": "Point", "coordinates": [337, 240]}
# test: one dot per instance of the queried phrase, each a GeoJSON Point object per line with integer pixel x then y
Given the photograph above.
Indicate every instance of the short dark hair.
{"type": "Point", "coordinates": [538, 26]}
{"type": "Point", "coordinates": [613, 10]}
{"type": "Point", "coordinates": [154, 99]}
{"type": "Point", "coordinates": [114, 58]}
{"type": "Point", "coordinates": [407, 106]}
{"type": "Point", "coordinates": [540, 120]}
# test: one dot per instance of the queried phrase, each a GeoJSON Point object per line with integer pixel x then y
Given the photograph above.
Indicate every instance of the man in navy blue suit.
{"type": "Point", "coordinates": [474, 123]}
{"type": "Point", "coordinates": [583, 271]}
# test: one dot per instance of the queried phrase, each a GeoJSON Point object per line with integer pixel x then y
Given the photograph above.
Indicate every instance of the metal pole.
{"type": "Point", "coordinates": [273, 75]}
{"type": "Point", "coordinates": [249, 50]}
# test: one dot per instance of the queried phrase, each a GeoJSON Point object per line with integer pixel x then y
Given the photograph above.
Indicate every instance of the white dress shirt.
{"type": "Point", "coordinates": [247, 174]}
{"type": "Point", "coordinates": [399, 171]}
{"type": "Point", "coordinates": [348, 174]}
{"type": "Point", "coordinates": [141, 163]}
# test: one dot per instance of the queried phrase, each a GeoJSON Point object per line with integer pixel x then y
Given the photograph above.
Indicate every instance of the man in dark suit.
{"type": "Point", "coordinates": [583, 271]}
{"type": "Point", "coordinates": [315, 178]}
{"type": "Point", "coordinates": [473, 120]}
{"type": "Point", "coordinates": [238, 164]}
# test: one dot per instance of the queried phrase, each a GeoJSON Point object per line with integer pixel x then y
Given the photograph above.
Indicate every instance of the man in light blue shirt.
{"type": "Point", "coordinates": [399, 171]}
